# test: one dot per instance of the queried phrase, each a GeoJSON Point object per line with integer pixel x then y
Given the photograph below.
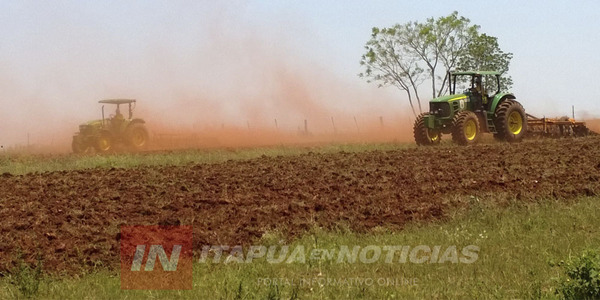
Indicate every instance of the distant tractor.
{"type": "Point", "coordinates": [467, 115]}
{"type": "Point", "coordinates": [115, 132]}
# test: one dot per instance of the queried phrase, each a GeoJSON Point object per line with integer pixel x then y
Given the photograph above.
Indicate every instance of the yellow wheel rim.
{"type": "Point", "coordinates": [433, 135]}
{"type": "Point", "coordinates": [470, 130]}
{"type": "Point", "coordinates": [515, 122]}
{"type": "Point", "coordinates": [104, 144]}
{"type": "Point", "coordinates": [138, 139]}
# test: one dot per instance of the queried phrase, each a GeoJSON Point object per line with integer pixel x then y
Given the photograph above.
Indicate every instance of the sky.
{"type": "Point", "coordinates": [209, 63]}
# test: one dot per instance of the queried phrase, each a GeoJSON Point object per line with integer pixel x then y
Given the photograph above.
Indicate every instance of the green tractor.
{"type": "Point", "coordinates": [115, 132]}
{"type": "Point", "coordinates": [467, 115]}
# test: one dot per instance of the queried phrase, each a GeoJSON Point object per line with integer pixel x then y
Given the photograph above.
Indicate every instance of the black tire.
{"type": "Point", "coordinates": [137, 136]}
{"type": "Point", "coordinates": [425, 136]}
{"type": "Point", "coordinates": [79, 146]}
{"type": "Point", "coordinates": [104, 143]}
{"type": "Point", "coordinates": [506, 118]}
{"type": "Point", "coordinates": [466, 129]}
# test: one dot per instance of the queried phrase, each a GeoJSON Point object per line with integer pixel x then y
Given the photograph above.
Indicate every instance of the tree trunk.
{"type": "Point", "coordinates": [433, 83]}
{"type": "Point", "coordinates": [411, 103]}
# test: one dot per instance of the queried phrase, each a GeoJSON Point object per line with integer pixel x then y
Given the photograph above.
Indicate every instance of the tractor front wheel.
{"type": "Point", "coordinates": [104, 143]}
{"type": "Point", "coordinates": [466, 129]}
{"type": "Point", "coordinates": [79, 146]}
{"type": "Point", "coordinates": [424, 135]}
{"type": "Point", "coordinates": [510, 121]}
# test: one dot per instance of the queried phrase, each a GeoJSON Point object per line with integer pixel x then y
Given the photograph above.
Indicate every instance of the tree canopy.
{"type": "Point", "coordinates": [406, 55]}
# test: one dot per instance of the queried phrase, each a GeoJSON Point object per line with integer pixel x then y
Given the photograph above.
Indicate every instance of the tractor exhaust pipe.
{"type": "Point", "coordinates": [102, 115]}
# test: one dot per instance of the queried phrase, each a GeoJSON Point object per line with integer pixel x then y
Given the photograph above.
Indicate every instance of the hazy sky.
{"type": "Point", "coordinates": [245, 60]}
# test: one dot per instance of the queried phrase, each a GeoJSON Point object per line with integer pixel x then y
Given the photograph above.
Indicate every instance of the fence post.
{"type": "Point", "coordinates": [333, 123]}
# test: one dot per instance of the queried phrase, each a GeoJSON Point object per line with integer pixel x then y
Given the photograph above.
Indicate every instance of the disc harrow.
{"type": "Point", "coordinates": [556, 127]}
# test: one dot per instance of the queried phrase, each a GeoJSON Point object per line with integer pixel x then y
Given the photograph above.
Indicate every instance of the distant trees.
{"type": "Point", "coordinates": [406, 55]}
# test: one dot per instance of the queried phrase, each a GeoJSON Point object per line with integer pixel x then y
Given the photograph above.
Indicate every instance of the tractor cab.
{"type": "Point", "coordinates": [480, 83]}
{"type": "Point", "coordinates": [116, 122]}
{"type": "Point", "coordinates": [118, 116]}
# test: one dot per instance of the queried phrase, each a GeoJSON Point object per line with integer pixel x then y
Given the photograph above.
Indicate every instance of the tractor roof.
{"type": "Point", "coordinates": [117, 101]}
{"type": "Point", "coordinates": [476, 73]}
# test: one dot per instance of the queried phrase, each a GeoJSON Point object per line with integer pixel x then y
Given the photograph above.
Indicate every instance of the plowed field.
{"type": "Point", "coordinates": [71, 219]}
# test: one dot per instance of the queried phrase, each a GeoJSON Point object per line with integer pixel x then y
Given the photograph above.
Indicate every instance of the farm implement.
{"type": "Point", "coordinates": [549, 127]}
{"type": "Point", "coordinates": [465, 116]}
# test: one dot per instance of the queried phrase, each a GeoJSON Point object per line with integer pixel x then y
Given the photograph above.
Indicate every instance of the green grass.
{"type": "Point", "coordinates": [520, 246]}
{"type": "Point", "coordinates": [18, 164]}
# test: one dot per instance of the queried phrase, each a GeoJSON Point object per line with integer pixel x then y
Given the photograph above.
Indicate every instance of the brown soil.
{"type": "Point", "coordinates": [72, 218]}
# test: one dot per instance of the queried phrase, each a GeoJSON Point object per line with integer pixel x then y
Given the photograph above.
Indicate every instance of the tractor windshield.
{"type": "Point", "coordinates": [484, 84]}
{"type": "Point", "coordinates": [490, 84]}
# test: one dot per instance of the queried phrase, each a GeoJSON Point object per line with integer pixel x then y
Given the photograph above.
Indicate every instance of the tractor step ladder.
{"type": "Point", "coordinates": [490, 125]}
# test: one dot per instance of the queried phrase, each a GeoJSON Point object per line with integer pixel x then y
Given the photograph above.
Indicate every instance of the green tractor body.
{"type": "Point", "coordinates": [468, 114]}
{"type": "Point", "coordinates": [112, 133]}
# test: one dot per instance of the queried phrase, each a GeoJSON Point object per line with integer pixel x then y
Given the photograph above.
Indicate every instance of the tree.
{"type": "Point", "coordinates": [440, 41]}
{"type": "Point", "coordinates": [484, 53]}
{"type": "Point", "coordinates": [407, 55]}
{"type": "Point", "coordinates": [389, 62]}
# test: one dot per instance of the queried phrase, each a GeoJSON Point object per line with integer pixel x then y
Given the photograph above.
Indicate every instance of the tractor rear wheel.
{"type": "Point", "coordinates": [137, 136]}
{"type": "Point", "coordinates": [104, 143]}
{"type": "Point", "coordinates": [424, 135]}
{"type": "Point", "coordinates": [466, 129]}
{"type": "Point", "coordinates": [510, 121]}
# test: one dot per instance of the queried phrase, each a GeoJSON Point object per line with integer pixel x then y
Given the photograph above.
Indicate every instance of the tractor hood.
{"type": "Point", "coordinates": [90, 126]}
{"type": "Point", "coordinates": [449, 98]}
{"type": "Point", "coordinates": [93, 123]}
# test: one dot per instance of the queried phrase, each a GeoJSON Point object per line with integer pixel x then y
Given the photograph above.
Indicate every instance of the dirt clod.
{"type": "Point", "coordinates": [69, 218]}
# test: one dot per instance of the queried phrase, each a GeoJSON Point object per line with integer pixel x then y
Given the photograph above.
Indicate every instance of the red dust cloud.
{"type": "Point", "coordinates": [295, 107]}
{"type": "Point", "coordinates": [255, 89]}
{"type": "Point", "coordinates": [236, 87]}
